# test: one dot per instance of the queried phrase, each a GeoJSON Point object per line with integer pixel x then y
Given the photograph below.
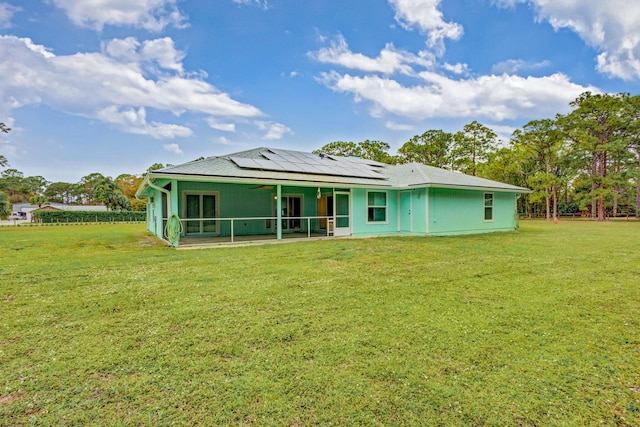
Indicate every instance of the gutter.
{"type": "Point", "coordinates": [147, 182]}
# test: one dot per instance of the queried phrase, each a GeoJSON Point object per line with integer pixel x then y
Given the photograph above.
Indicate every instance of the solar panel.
{"type": "Point", "coordinates": [299, 162]}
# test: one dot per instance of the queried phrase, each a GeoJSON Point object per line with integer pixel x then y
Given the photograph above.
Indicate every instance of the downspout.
{"type": "Point", "coordinates": [172, 231]}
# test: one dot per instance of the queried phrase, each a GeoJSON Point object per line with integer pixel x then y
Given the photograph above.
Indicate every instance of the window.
{"type": "Point", "coordinates": [488, 206]}
{"type": "Point", "coordinates": [376, 206]}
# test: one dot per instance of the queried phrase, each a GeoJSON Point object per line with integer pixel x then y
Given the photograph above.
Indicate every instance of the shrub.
{"type": "Point", "coordinates": [48, 217]}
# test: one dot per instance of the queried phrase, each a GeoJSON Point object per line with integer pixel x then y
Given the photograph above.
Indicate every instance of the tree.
{"type": "Point", "coordinates": [431, 148]}
{"type": "Point", "coordinates": [60, 192]}
{"type": "Point", "coordinates": [5, 207]}
{"type": "Point", "coordinates": [542, 142]}
{"type": "Point", "coordinates": [592, 126]}
{"type": "Point", "coordinates": [87, 186]}
{"type": "Point", "coordinates": [339, 148]}
{"type": "Point", "coordinates": [372, 150]}
{"type": "Point", "coordinates": [154, 167]}
{"type": "Point", "coordinates": [34, 184]}
{"type": "Point", "coordinates": [3, 159]}
{"type": "Point", "coordinates": [129, 184]}
{"type": "Point", "coordinates": [632, 135]}
{"type": "Point", "coordinates": [472, 146]}
{"type": "Point", "coordinates": [107, 192]}
{"type": "Point", "coordinates": [38, 200]}
{"type": "Point", "coordinates": [11, 181]}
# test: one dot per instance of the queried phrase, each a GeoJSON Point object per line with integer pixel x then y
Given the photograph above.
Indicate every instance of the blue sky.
{"type": "Point", "coordinates": [114, 86]}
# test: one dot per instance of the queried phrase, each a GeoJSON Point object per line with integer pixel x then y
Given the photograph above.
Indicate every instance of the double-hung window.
{"type": "Point", "coordinates": [488, 206]}
{"type": "Point", "coordinates": [376, 206]}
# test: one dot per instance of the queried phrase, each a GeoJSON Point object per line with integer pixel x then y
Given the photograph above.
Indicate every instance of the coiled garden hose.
{"type": "Point", "coordinates": [173, 229]}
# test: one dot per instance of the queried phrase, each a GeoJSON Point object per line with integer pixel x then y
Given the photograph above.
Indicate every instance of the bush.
{"type": "Point", "coordinates": [48, 217]}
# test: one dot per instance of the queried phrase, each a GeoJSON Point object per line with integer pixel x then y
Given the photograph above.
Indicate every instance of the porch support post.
{"type": "Point", "coordinates": [279, 211]}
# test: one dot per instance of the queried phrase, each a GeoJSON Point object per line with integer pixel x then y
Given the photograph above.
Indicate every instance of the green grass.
{"type": "Point", "coordinates": [101, 325]}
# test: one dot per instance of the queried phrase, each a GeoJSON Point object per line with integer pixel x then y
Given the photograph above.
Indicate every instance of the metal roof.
{"type": "Point", "coordinates": [275, 165]}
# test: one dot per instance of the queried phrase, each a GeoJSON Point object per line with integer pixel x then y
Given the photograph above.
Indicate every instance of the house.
{"type": "Point", "coordinates": [25, 210]}
{"type": "Point", "coordinates": [273, 193]}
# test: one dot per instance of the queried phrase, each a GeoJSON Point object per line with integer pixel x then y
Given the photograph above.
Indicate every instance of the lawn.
{"type": "Point", "coordinates": [102, 325]}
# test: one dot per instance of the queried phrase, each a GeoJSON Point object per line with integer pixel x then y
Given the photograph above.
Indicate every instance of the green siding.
{"type": "Point", "coordinates": [359, 214]}
{"type": "Point", "coordinates": [462, 211]}
{"type": "Point", "coordinates": [433, 211]}
{"type": "Point", "coordinates": [249, 201]}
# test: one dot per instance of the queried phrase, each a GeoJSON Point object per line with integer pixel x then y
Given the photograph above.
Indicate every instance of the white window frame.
{"type": "Point", "coordinates": [484, 206]}
{"type": "Point", "coordinates": [385, 207]}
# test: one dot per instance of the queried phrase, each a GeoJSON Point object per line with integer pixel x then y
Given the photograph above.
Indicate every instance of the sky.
{"type": "Point", "coordinates": [114, 86]}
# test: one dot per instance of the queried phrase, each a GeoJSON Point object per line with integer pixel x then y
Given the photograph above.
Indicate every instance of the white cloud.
{"type": "Point", "coordinates": [227, 127]}
{"type": "Point", "coordinates": [154, 55]}
{"type": "Point", "coordinates": [513, 66]}
{"type": "Point", "coordinates": [425, 14]}
{"type": "Point", "coordinates": [135, 121]}
{"type": "Point", "coordinates": [116, 86]}
{"type": "Point", "coordinates": [260, 3]}
{"type": "Point", "coordinates": [174, 148]}
{"type": "Point", "coordinates": [460, 69]}
{"type": "Point", "coordinates": [609, 26]}
{"type": "Point", "coordinates": [389, 61]}
{"type": "Point", "coordinates": [495, 97]}
{"type": "Point", "coordinates": [398, 126]}
{"type": "Point", "coordinates": [6, 13]}
{"type": "Point", "coordinates": [273, 130]}
{"type": "Point", "coordinates": [152, 15]}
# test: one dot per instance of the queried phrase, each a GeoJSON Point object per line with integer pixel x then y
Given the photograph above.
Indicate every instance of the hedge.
{"type": "Point", "coordinates": [51, 217]}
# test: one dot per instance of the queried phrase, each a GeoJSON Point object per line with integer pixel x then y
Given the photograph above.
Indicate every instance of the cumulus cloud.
{"type": "Point", "coordinates": [447, 90]}
{"type": "Point", "coordinates": [151, 15]}
{"type": "Point", "coordinates": [609, 26]}
{"type": "Point", "coordinates": [119, 85]}
{"type": "Point", "coordinates": [389, 61]}
{"type": "Point", "coordinates": [273, 130]}
{"type": "Point", "coordinates": [174, 148]}
{"type": "Point", "coordinates": [426, 15]}
{"type": "Point", "coordinates": [495, 97]}
{"type": "Point", "coordinates": [135, 121]}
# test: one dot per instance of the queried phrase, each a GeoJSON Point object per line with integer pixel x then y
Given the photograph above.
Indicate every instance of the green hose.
{"type": "Point", "coordinates": [173, 229]}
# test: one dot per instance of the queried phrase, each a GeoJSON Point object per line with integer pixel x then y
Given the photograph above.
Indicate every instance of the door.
{"type": "Point", "coordinates": [342, 217]}
{"type": "Point", "coordinates": [405, 211]}
{"type": "Point", "coordinates": [199, 211]}
{"type": "Point", "coordinates": [291, 208]}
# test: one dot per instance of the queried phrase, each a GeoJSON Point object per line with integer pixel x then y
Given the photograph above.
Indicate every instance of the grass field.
{"type": "Point", "coordinates": [101, 325]}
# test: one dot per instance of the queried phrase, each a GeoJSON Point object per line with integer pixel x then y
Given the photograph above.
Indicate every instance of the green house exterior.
{"type": "Point", "coordinates": [269, 193]}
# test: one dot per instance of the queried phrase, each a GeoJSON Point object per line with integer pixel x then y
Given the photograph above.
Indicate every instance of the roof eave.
{"type": "Point", "coordinates": [471, 187]}
{"type": "Point", "coordinates": [269, 181]}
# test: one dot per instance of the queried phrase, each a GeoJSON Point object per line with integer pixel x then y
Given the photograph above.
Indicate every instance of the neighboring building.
{"type": "Point", "coordinates": [25, 210]}
{"type": "Point", "coordinates": [252, 193]}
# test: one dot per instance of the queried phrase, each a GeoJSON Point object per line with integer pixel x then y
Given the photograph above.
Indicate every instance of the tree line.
{"type": "Point", "coordinates": [94, 189]}
{"type": "Point", "coordinates": [585, 162]}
